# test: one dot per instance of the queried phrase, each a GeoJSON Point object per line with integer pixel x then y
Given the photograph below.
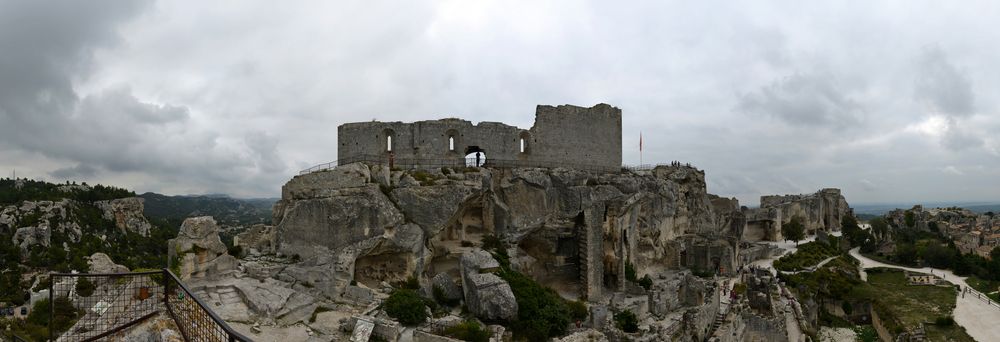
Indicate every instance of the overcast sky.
{"type": "Point", "coordinates": [891, 102]}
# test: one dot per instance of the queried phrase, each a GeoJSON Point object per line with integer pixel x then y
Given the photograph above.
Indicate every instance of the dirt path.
{"type": "Point", "coordinates": [979, 316]}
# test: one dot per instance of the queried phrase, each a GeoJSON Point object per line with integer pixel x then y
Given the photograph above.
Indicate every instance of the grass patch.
{"type": "Point", "coordinates": [424, 178]}
{"type": "Point", "coordinates": [910, 305]}
{"type": "Point", "coordinates": [808, 255]}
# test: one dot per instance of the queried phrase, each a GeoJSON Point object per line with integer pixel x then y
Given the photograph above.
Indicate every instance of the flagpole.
{"type": "Point", "coordinates": [640, 148]}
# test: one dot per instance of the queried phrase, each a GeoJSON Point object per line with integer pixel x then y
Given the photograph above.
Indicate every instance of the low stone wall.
{"type": "Point", "coordinates": [883, 333]}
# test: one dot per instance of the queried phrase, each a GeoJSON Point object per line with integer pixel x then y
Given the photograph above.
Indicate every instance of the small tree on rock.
{"type": "Point", "coordinates": [794, 230]}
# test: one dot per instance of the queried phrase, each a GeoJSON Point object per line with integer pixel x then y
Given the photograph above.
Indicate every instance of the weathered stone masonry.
{"type": "Point", "coordinates": [561, 134]}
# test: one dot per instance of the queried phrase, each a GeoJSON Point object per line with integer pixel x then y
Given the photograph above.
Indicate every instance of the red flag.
{"type": "Point", "coordinates": [640, 141]}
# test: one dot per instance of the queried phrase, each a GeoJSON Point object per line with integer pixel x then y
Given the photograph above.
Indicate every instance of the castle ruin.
{"type": "Point", "coordinates": [561, 135]}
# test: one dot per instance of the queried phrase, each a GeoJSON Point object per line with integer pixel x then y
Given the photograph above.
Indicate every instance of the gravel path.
{"type": "Point", "coordinates": [980, 317]}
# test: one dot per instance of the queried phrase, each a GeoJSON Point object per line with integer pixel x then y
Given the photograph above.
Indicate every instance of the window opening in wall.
{"type": "Point", "coordinates": [388, 143]}
{"type": "Point", "coordinates": [522, 145]}
{"type": "Point", "coordinates": [451, 143]}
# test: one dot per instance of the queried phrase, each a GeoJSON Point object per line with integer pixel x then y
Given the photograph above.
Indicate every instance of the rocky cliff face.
{"type": "Point", "coordinates": [199, 250]}
{"type": "Point", "coordinates": [127, 214]}
{"type": "Point", "coordinates": [33, 222]}
{"type": "Point", "coordinates": [822, 210]}
{"type": "Point", "coordinates": [573, 230]}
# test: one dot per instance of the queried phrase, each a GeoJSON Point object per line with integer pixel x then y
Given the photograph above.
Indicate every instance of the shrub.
{"type": "Point", "coordinates": [541, 313]}
{"type": "Point", "coordinates": [411, 283]}
{"type": "Point", "coordinates": [646, 282]}
{"type": "Point", "coordinates": [493, 243]}
{"type": "Point", "coordinates": [235, 251]}
{"type": "Point", "coordinates": [626, 321]}
{"type": "Point", "coordinates": [441, 299]}
{"type": "Point", "coordinates": [84, 287]}
{"type": "Point", "coordinates": [468, 331]}
{"type": "Point", "coordinates": [577, 310]}
{"type": "Point", "coordinates": [406, 306]}
{"type": "Point", "coordinates": [630, 272]}
{"type": "Point", "coordinates": [944, 321]}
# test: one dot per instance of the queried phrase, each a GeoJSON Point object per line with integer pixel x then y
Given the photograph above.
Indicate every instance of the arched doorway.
{"type": "Point", "coordinates": [475, 156]}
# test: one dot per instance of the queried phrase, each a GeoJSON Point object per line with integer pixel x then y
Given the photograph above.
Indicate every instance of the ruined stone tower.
{"type": "Point", "coordinates": [561, 135]}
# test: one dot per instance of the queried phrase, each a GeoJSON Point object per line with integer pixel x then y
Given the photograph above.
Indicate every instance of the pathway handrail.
{"type": "Point", "coordinates": [169, 280]}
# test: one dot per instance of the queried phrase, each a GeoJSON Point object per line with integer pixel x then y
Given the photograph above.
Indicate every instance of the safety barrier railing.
{"type": "Point", "coordinates": [89, 307]}
{"type": "Point", "coordinates": [194, 319]}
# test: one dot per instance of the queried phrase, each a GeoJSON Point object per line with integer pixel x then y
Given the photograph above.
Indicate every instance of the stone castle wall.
{"type": "Point", "coordinates": [562, 134]}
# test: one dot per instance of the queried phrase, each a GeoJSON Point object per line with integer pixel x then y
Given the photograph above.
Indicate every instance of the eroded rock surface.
{"type": "Point", "coordinates": [200, 251]}
{"type": "Point", "coordinates": [126, 213]}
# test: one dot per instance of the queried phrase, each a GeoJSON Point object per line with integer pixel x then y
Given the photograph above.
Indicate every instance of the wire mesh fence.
{"type": "Point", "coordinates": [89, 307]}
{"type": "Point", "coordinates": [86, 307]}
{"type": "Point", "coordinates": [195, 320]}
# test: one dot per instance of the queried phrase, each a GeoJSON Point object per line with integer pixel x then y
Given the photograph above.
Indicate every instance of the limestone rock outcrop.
{"type": "Point", "coordinates": [571, 229]}
{"type": "Point", "coordinates": [102, 263]}
{"type": "Point", "coordinates": [820, 211]}
{"type": "Point", "coordinates": [259, 239]}
{"type": "Point", "coordinates": [486, 295]}
{"type": "Point", "coordinates": [127, 214]}
{"type": "Point", "coordinates": [34, 222]}
{"type": "Point", "coordinates": [200, 251]}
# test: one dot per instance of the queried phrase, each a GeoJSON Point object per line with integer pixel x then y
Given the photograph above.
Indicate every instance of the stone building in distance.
{"type": "Point", "coordinates": [561, 135]}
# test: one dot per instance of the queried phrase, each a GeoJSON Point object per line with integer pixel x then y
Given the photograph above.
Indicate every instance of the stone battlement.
{"type": "Point", "coordinates": [561, 134]}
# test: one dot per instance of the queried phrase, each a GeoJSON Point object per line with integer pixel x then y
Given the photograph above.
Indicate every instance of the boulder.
{"type": "Point", "coordinates": [102, 263]}
{"type": "Point", "coordinates": [202, 253]}
{"type": "Point", "coordinates": [486, 295]}
{"type": "Point", "coordinates": [447, 286]}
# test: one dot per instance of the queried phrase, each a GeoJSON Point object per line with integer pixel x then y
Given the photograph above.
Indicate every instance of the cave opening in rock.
{"type": "Point", "coordinates": [372, 270]}
{"type": "Point", "coordinates": [552, 258]}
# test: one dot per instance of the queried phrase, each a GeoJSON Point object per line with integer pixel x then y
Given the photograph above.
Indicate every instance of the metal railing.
{"type": "Point", "coordinates": [194, 319]}
{"type": "Point", "coordinates": [462, 162]}
{"type": "Point", "coordinates": [88, 307]}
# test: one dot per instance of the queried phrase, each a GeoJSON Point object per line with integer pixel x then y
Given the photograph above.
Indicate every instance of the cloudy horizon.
{"type": "Point", "coordinates": [891, 102]}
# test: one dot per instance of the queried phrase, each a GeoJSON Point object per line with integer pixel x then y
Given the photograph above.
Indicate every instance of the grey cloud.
{"type": "Point", "coordinates": [804, 100]}
{"type": "Point", "coordinates": [942, 86]}
{"type": "Point", "coordinates": [48, 47]}
{"type": "Point", "coordinates": [74, 172]}
{"type": "Point", "coordinates": [956, 138]}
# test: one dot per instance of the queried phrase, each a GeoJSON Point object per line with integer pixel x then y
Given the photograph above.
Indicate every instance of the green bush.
{"type": "Point", "coordinates": [577, 310]}
{"type": "Point", "coordinates": [439, 296]}
{"type": "Point", "coordinates": [65, 314]}
{"type": "Point", "coordinates": [630, 272]}
{"type": "Point", "coordinates": [84, 287]}
{"type": "Point", "coordinates": [493, 243]}
{"type": "Point", "coordinates": [646, 282]}
{"type": "Point", "coordinates": [541, 313]}
{"type": "Point", "coordinates": [626, 321]}
{"type": "Point", "coordinates": [468, 331]}
{"type": "Point", "coordinates": [406, 306]}
{"type": "Point", "coordinates": [411, 283]}
{"type": "Point", "coordinates": [944, 321]}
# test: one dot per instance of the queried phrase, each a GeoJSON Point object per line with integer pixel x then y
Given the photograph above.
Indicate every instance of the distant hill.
{"type": "Point", "coordinates": [881, 209]}
{"type": "Point", "coordinates": [226, 210]}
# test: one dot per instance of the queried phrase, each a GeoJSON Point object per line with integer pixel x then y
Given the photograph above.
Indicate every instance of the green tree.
{"type": "Point", "coordinates": [626, 321]}
{"type": "Point", "coordinates": [879, 226]}
{"type": "Point", "coordinates": [909, 219]}
{"type": "Point", "coordinates": [406, 306]}
{"type": "Point", "coordinates": [794, 230]}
